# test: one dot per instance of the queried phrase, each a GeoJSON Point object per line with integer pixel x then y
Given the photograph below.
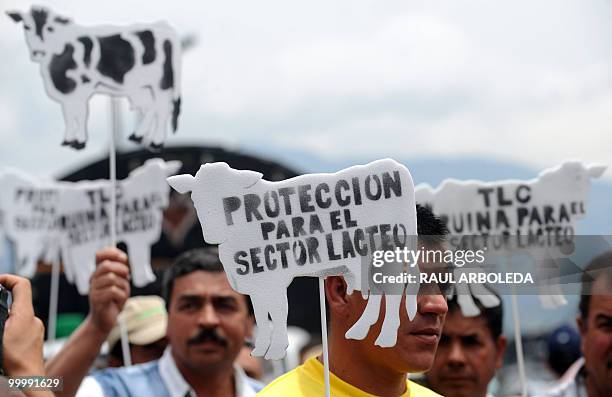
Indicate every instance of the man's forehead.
{"type": "Point", "coordinates": [203, 283]}
{"type": "Point", "coordinates": [601, 305]}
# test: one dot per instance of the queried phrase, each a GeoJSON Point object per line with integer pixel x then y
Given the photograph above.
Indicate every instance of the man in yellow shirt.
{"type": "Point", "coordinates": [359, 367]}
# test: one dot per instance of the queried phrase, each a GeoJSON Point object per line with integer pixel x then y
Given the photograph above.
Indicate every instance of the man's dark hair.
{"type": "Point", "coordinates": [600, 265]}
{"type": "Point", "coordinates": [204, 259]}
{"type": "Point", "coordinates": [493, 315]}
{"type": "Point", "coordinates": [429, 227]}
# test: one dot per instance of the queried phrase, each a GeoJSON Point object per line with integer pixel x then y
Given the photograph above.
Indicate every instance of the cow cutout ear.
{"type": "Point", "coordinates": [62, 20]}
{"type": "Point", "coordinates": [181, 183]}
{"type": "Point", "coordinates": [248, 178]}
{"type": "Point", "coordinates": [596, 170]}
{"type": "Point", "coordinates": [15, 16]}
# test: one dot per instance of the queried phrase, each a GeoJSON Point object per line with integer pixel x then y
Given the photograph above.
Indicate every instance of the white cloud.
{"type": "Point", "coordinates": [522, 81]}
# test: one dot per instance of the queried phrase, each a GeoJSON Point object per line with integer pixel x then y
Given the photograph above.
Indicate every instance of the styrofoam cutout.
{"type": "Point", "coordinates": [140, 61]}
{"type": "Point", "coordinates": [46, 218]}
{"type": "Point", "coordinates": [271, 232]}
{"type": "Point", "coordinates": [552, 202]}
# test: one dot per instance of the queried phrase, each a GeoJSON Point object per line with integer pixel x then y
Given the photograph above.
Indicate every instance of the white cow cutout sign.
{"type": "Point", "coordinates": [141, 62]}
{"type": "Point", "coordinates": [45, 219]}
{"type": "Point", "coordinates": [311, 225]}
{"type": "Point", "coordinates": [545, 209]}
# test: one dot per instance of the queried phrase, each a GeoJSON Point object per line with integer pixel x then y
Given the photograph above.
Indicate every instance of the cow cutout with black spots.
{"type": "Point", "coordinates": [141, 62]}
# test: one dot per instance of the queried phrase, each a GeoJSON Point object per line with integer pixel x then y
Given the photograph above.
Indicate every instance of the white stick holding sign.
{"type": "Point", "coordinates": [141, 62]}
{"type": "Point", "coordinates": [53, 300]}
{"type": "Point", "coordinates": [518, 341]}
{"type": "Point", "coordinates": [112, 162]}
{"type": "Point", "coordinates": [313, 225]}
{"type": "Point", "coordinates": [324, 336]}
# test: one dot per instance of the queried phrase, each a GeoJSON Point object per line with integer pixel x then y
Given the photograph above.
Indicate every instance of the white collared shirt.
{"type": "Point", "coordinates": [176, 385]}
{"type": "Point", "coordinates": [571, 383]}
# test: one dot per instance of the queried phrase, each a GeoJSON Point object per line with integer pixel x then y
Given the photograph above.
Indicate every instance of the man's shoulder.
{"type": "Point", "coordinates": [298, 382]}
{"type": "Point", "coordinates": [133, 370]}
{"type": "Point", "coordinates": [131, 381]}
{"type": "Point", "coordinates": [284, 385]}
{"type": "Point", "coordinates": [417, 390]}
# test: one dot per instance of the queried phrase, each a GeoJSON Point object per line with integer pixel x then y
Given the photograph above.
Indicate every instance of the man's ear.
{"type": "Point", "coordinates": [500, 346]}
{"type": "Point", "coordinates": [337, 295]}
{"type": "Point", "coordinates": [15, 16]}
{"type": "Point", "coordinates": [581, 325]}
{"type": "Point", "coordinates": [582, 328]}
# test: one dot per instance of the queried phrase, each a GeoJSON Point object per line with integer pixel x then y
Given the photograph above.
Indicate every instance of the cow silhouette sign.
{"type": "Point", "coordinates": [141, 62]}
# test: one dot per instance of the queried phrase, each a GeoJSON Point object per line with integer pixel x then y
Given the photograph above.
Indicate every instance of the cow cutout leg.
{"type": "Point", "coordinates": [262, 338]}
{"type": "Point", "coordinates": [280, 340]}
{"type": "Point", "coordinates": [82, 261]}
{"type": "Point", "coordinates": [140, 263]}
{"type": "Point", "coordinates": [69, 122]}
{"type": "Point", "coordinates": [370, 314]}
{"type": "Point", "coordinates": [26, 261]}
{"type": "Point", "coordinates": [162, 114]}
{"type": "Point", "coordinates": [145, 126]}
{"type": "Point", "coordinates": [388, 332]}
{"type": "Point", "coordinates": [82, 124]}
{"type": "Point", "coordinates": [66, 264]}
{"type": "Point", "coordinates": [75, 115]}
{"type": "Point", "coordinates": [142, 103]}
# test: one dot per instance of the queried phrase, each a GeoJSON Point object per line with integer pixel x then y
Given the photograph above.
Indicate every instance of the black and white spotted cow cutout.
{"type": "Point", "coordinates": [141, 62]}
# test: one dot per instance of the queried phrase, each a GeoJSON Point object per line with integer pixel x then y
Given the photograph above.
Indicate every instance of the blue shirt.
{"type": "Point", "coordinates": [159, 378]}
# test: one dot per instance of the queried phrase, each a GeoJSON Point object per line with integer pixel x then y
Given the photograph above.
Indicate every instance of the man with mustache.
{"type": "Point", "coordinates": [592, 375]}
{"type": "Point", "coordinates": [359, 367]}
{"type": "Point", "coordinates": [471, 349]}
{"type": "Point", "coordinates": [208, 324]}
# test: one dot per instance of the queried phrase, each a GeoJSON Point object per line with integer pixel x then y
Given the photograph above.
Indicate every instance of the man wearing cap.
{"type": "Point", "coordinates": [208, 324]}
{"type": "Point", "coordinates": [145, 320]}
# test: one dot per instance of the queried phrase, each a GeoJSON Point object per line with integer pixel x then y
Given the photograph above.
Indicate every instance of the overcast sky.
{"type": "Point", "coordinates": [524, 81]}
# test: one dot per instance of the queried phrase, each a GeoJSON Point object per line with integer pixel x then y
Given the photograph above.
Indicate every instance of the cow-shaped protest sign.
{"type": "Point", "coordinates": [541, 213]}
{"type": "Point", "coordinates": [547, 205]}
{"type": "Point", "coordinates": [311, 225]}
{"type": "Point", "coordinates": [44, 219]}
{"type": "Point", "coordinates": [141, 62]}
{"type": "Point", "coordinates": [29, 218]}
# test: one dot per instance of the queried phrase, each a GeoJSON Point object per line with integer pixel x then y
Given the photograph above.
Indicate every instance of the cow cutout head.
{"type": "Point", "coordinates": [211, 183]}
{"type": "Point", "coordinates": [43, 30]}
{"type": "Point", "coordinates": [575, 172]}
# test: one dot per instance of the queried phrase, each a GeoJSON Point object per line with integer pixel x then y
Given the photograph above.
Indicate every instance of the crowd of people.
{"type": "Point", "coordinates": [195, 341]}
